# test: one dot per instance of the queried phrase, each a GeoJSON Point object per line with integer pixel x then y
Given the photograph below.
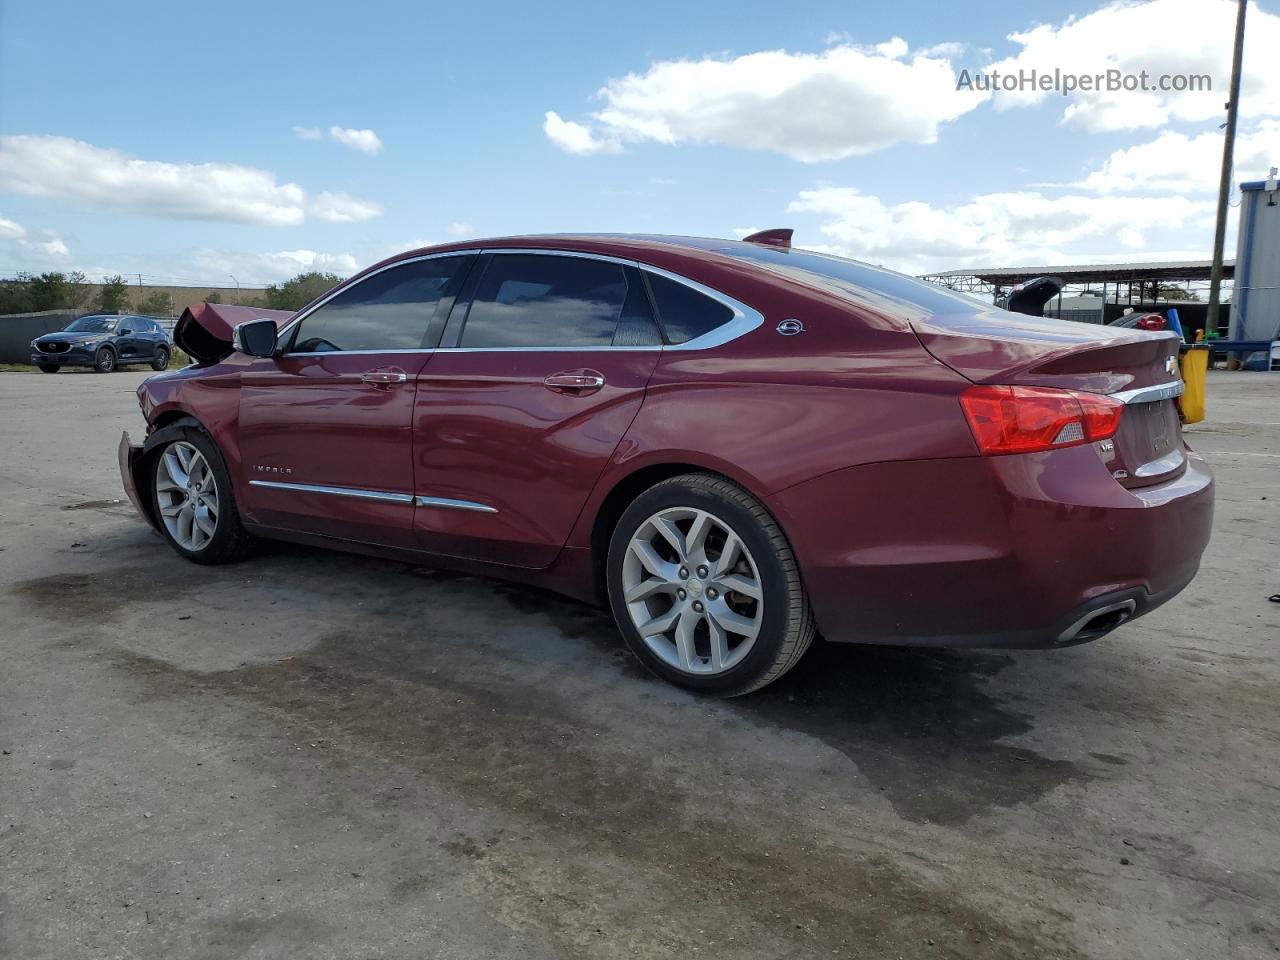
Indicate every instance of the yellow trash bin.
{"type": "Point", "coordinates": [1195, 365]}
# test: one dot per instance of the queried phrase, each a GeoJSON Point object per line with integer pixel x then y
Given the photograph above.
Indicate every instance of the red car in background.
{"type": "Point", "coordinates": [736, 445]}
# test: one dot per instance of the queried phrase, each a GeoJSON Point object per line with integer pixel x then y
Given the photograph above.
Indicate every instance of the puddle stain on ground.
{"type": "Point", "coordinates": [918, 724]}
{"type": "Point", "coordinates": [111, 505]}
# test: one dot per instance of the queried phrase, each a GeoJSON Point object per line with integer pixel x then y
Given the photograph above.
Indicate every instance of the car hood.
{"type": "Point", "coordinates": [69, 336]}
{"type": "Point", "coordinates": [204, 331]}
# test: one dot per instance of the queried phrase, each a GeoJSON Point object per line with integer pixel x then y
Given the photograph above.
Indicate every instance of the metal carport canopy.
{"type": "Point", "coordinates": [1090, 273]}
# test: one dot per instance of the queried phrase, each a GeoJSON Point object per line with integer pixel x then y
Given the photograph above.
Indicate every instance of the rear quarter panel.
{"type": "Point", "coordinates": [771, 411]}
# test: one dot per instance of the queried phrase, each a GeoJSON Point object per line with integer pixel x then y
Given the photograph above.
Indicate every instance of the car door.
{"type": "Point", "coordinates": [326, 426]}
{"type": "Point", "coordinates": [128, 338]}
{"type": "Point", "coordinates": [149, 338]}
{"type": "Point", "coordinates": [542, 369]}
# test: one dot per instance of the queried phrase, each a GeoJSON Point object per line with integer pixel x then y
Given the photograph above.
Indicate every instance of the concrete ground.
{"type": "Point", "coordinates": [311, 755]}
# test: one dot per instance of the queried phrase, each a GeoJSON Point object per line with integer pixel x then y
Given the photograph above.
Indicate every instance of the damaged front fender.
{"type": "Point", "coordinates": [134, 458]}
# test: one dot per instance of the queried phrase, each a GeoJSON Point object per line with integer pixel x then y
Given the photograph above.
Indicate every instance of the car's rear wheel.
{"type": "Point", "coordinates": [49, 367]}
{"type": "Point", "coordinates": [104, 361]}
{"type": "Point", "coordinates": [705, 588]}
{"type": "Point", "coordinates": [161, 360]}
{"type": "Point", "coordinates": [194, 502]}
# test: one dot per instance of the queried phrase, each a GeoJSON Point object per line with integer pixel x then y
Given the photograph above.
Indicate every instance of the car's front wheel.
{"type": "Point", "coordinates": [49, 367]}
{"type": "Point", "coordinates": [104, 361]}
{"type": "Point", "coordinates": [705, 588]}
{"type": "Point", "coordinates": [194, 502]}
{"type": "Point", "coordinates": [161, 360]}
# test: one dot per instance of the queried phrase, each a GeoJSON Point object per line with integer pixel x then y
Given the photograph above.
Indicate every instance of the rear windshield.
{"type": "Point", "coordinates": [861, 282]}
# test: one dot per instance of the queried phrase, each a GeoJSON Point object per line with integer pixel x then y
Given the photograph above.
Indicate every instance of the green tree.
{"type": "Point", "coordinates": [15, 294]}
{"type": "Point", "coordinates": [1170, 291]}
{"type": "Point", "coordinates": [114, 295]}
{"type": "Point", "coordinates": [213, 297]}
{"type": "Point", "coordinates": [299, 291]}
{"type": "Point", "coordinates": [157, 303]}
{"type": "Point", "coordinates": [57, 291]}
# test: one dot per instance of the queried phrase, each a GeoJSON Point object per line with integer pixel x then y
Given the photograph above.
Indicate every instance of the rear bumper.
{"type": "Point", "coordinates": [1038, 550]}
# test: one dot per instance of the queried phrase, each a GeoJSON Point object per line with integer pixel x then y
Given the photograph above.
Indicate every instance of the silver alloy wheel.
{"type": "Point", "coordinates": [187, 495]}
{"type": "Point", "coordinates": [693, 590]}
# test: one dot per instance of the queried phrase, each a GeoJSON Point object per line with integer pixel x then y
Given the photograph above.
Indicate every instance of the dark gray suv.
{"type": "Point", "coordinates": [103, 342]}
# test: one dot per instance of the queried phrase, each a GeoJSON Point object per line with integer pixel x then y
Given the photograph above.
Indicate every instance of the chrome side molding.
{"type": "Point", "coordinates": [380, 495]}
{"type": "Point", "coordinates": [453, 504]}
{"type": "Point", "coordinates": [1161, 391]}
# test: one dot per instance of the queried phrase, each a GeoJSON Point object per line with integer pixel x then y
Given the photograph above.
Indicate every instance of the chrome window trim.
{"type": "Point", "coordinates": [343, 288]}
{"type": "Point", "coordinates": [359, 494]}
{"type": "Point", "coordinates": [1161, 391]}
{"type": "Point", "coordinates": [563, 253]}
{"type": "Point", "coordinates": [453, 504]}
{"type": "Point", "coordinates": [745, 319]}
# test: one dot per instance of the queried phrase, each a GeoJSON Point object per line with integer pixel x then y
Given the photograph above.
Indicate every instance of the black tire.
{"type": "Point", "coordinates": [49, 367]}
{"type": "Point", "coordinates": [161, 360]}
{"type": "Point", "coordinates": [788, 626]}
{"type": "Point", "coordinates": [104, 361]}
{"type": "Point", "coordinates": [230, 541]}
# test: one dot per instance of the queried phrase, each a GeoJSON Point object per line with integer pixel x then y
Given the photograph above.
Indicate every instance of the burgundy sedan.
{"type": "Point", "coordinates": [736, 445]}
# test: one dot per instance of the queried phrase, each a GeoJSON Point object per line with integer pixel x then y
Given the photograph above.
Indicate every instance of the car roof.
{"type": "Point", "coordinates": [627, 245]}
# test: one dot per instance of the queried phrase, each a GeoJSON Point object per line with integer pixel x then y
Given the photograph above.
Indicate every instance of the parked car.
{"type": "Point", "coordinates": [735, 445]}
{"type": "Point", "coordinates": [103, 342]}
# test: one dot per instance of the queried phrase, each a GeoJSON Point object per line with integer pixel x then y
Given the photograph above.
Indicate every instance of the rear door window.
{"type": "Point", "coordinates": [685, 314]}
{"type": "Point", "coordinates": [544, 300]}
{"type": "Point", "coordinates": [391, 310]}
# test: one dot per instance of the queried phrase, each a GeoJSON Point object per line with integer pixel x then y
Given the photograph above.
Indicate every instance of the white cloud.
{"type": "Point", "coordinates": [573, 137]}
{"type": "Point", "coordinates": [1178, 163]}
{"type": "Point", "coordinates": [61, 168]}
{"type": "Point", "coordinates": [19, 250]}
{"type": "Point", "coordinates": [460, 230]}
{"type": "Point", "coordinates": [308, 133]}
{"type": "Point", "coordinates": [261, 268]}
{"type": "Point", "coordinates": [366, 141]}
{"type": "Point", "coordinates": [342, 208]}
{"type": "Point", "coordinates": [844, 101]}
{"type": "Point", "coordinates": [1161, 37]}
{"type": "Point", "coordinates": [53, 246]}
{"type": "Point", "coordinates": [994, 229]}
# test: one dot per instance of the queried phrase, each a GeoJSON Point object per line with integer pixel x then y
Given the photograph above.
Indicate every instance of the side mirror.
{"type": "Point", "coordinates": [124, 332]}
{"type": "Point", "coordinates": [257, 338]}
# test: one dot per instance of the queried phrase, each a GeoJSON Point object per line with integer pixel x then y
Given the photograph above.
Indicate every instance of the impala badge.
{"type": "Point", "coordinates": [789, 328]}
{"type": "Point", "coordinates": [1171, 366]}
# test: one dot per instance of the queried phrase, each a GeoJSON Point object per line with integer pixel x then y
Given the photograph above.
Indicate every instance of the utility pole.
{"type": "Point", "coordinates": [1224, 186]}
{"type": "Point", "coordinates": [237, 282]}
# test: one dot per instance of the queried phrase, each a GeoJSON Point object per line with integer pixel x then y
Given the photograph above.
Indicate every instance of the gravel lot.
{"type": "Point", "coordinates": [311, 755]}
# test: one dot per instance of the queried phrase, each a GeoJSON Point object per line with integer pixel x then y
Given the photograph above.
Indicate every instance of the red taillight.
{"type": "Point", "coordinates": [1027, 419]}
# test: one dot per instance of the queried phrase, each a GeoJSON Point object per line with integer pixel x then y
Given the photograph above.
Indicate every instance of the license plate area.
{"type": "Point", "coordinates": [1148, 445]}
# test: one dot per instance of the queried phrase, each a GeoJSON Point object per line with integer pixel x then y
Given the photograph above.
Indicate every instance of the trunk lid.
{"type": "Point", "coordinates": [1137, 366]}
{"type": "Point", "coordinates": [204, 331]}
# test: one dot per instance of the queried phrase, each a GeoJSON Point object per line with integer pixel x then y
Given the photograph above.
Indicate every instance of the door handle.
{"type": "Point", "coordinates": [577, 382]}
{"type": "Point", "coordinates": [384, 377]}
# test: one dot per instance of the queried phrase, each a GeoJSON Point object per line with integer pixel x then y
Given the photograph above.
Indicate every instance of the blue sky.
{"type": "Point", "coordinates": [163, 139]}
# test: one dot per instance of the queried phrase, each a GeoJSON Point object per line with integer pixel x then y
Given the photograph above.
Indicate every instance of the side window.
{"type": "Point", "coordinates": [684, 312]}
{"type": "Point", "coordinates": [538, 300]}
{"type": "Point", "coordinates": [391, 310]}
